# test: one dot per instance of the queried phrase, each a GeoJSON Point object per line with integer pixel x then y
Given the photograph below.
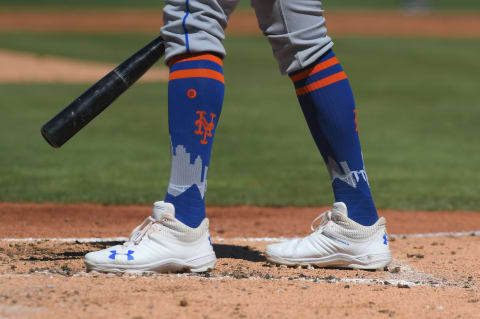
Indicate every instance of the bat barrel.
{"type": "Point", "coordinates": [100, 95]}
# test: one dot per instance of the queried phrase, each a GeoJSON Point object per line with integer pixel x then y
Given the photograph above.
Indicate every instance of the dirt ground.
{"type": "Point", "coordinates": [94, 220]}
{"type": "Point", "coordinates": [27, 67]}
{"type": "Point", "coordinates": [42, 274]}
{"type": "Point", "coordinates": [387, 23]}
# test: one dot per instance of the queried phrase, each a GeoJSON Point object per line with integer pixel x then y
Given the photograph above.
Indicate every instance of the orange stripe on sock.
{"type": "Point", "coordinates": [321, 83]}
{"type": "Point", "coordinates": [197, 73]}
{"type": "Point", "coordinates": [195, 57]}
{"type": "Point", "coordinates": [317, 68]}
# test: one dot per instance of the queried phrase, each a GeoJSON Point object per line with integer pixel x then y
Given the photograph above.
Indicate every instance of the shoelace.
{"type": "Point", "coordinates": [324, 218]}
{"type": "Point", "coordinates": [139, 232]}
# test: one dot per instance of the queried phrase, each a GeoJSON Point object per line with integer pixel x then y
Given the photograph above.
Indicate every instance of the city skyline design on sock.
{"type": "Point", "coordinates": [195, 96]}
{"type": "Point", "coordinates": [327, 102]}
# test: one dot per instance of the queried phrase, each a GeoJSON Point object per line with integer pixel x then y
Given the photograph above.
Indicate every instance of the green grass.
{"type": "Point", "coordinates": [418, 114]}
{"type": "Point", "coordinates": [243, 4]}
{"type": "Point", "coordinates": [104, 48]}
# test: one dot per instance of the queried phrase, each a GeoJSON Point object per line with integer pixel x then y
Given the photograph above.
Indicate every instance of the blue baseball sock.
{"type": "Point", "coordinates": [195, 97]}
{"type": "Point", "coordinates": [327, 102]}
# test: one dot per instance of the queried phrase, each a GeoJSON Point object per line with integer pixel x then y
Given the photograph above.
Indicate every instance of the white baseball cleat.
{"type": "Point", "coordinates": [337, 241]}
{"type": "Point", "coordinates": [161, 244]}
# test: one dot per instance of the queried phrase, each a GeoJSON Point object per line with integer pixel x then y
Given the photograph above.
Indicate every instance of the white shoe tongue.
{"type": "Point", "coordinates": [340, 208]}
{"type": "Point", "coordinates": [161, 208]}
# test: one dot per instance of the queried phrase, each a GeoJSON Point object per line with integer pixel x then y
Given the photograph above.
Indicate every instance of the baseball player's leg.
{"type": "Point", "coordinates": [193, 32]}
{"type": "Point", "coordinates": [352, 232]}
{"type": "Point", "coordinates": [176, 236]}
{"type": "Point", "coordinates": [296, 30]}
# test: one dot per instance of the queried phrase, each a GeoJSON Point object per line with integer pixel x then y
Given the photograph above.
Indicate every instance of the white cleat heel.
{"type": "Point", "coordinates": [204, 264]}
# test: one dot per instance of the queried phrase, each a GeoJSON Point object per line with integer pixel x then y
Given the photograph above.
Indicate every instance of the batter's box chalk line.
{"type": "Point", "coordinates": [241, 239]}
{"type": "Point", "coordinates": [411, 280]}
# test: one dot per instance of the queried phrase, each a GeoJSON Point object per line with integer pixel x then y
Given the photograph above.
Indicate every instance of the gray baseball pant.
{"type": "Point", "coordinates": [295, 29]}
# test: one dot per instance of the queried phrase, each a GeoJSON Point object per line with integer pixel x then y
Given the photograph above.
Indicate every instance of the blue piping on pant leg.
{"type": "Point", "coordinates": [187, 12]}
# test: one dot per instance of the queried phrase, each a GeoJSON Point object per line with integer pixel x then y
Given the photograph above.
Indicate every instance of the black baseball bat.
{"type": "Point", "coordinates": [100, 95]}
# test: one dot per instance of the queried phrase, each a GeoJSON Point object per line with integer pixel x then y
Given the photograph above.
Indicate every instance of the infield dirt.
{"type": "Point", "coordinates": [430, 277]}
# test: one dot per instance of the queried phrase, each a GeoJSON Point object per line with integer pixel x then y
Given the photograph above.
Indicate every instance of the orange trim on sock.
{"type": "Point", "coordinates": [195, 57]}
{"type": "Point", "coordinates": [317, 68]}
{"type": "Point", "coordinates": [321, 83]}
{"type": "Point", "coordinates": [197, 73]}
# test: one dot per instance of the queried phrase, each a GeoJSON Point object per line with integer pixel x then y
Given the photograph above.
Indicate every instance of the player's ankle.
{"type": "Point", "coordinates": [189, 206]}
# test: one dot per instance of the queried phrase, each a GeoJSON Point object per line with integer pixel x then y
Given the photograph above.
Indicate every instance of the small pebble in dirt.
{"type": "Point", "coordinates": [150, 306]}
{"type": "Point", "coordinates": [415, 255]}
{"type": "Point", "coordinates": [305, 287]}
{"type": "Point", "coordinates": [346, 286]}
{"type": "Point", "coordinates": [225, 264]}
{"type": "Point", "coordinates": [183, 302]}
{"type": "Point", "coordinates": [66, 268]}
{"type": "Point", "coordinates": [394, 270]}
{"type": "Point", "coordinates": [400, 285]}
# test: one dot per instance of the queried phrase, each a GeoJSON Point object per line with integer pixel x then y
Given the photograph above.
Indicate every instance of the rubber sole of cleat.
{"type": "Point", "coordinates": [375, 261]}
{"type": "Point", "coordinates": [195, 265]}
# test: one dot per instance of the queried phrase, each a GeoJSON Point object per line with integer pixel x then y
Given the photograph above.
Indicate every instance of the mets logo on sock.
{"type": "Point", "coordinates": [203, 127]}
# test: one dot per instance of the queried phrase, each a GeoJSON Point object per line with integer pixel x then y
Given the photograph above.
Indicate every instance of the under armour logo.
{"type": "Point", "coordinates": [203, 127]}
{"type": "Point", "coordinates": [128, 254]}
{"type": "Point", "coordinates": [385, 239]}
